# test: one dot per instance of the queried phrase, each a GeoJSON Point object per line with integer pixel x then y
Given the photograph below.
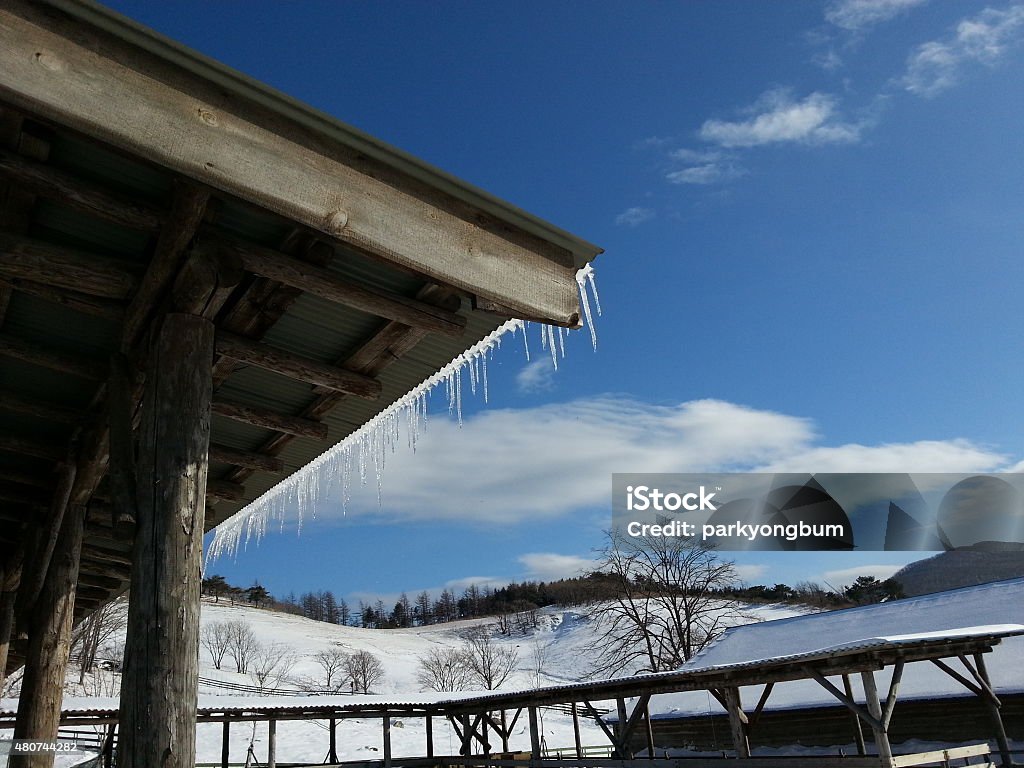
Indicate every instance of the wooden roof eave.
{"type": "Point", "coordinates": [68, 61]}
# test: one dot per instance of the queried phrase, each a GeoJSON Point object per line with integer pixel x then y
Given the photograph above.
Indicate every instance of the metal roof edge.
{"type": "Point", "coordinates": [243, 86]}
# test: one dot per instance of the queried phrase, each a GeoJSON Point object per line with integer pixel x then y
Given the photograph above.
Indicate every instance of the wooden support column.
{"type": "Point", "coordinates": [272, 743]}
{"type": "Point", "coordinates": [7, 600]}
{"type": "Point", "coordinates": [225, 744]}
{"type": "Point", "coordinates": [534, 736]}
{"type": "Point", "coordinates": [992, 704]}
{"type": "Point", "coordinates": [159, 686]}
{"type": "Point", "coordinates": [736, 725]}
{"type": "Point", "coordinates": [875, 709]}
{"type": "Point", "coordinates": [387, 741]}
{"type": "Point", "coordinates": [42, 687]}
{"type": "Point", "coordinates": [620, 729]}
{"type": "Point", "coordinates": [858, 732]}
{"type": "Point", "coordinates": [332, 741]}
{"type": "Point", "coordinates": [430, 736]}
{"type": "Point", "coordinates": [649, 727]}
{"type": "Point", "coordinates": [467, 737]}
{"type": "Point", "coordinates": [576, 732]}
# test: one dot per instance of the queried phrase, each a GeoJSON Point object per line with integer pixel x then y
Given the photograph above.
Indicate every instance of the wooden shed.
{"type": "Point", "coordinates": [203, 285]}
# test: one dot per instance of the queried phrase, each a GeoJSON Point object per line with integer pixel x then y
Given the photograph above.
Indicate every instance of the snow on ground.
{"type": "Point", "coordinates": [987, 604]}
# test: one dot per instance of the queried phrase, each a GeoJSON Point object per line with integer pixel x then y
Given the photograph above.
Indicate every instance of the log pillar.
{"type": "Point", "coordinates": [430, 736]}
{"type": "Point", "coordinates": [272, 743]}
{"type": "Point", "coordinates": [332, 741]}
{"type": "Point", "coordinates": [858, 729]}
{"type": "Point", "coordinates": [387, 741]}
{"type": "Point", "coordinates": [159, 686]}
{"type": "Point", "coordinates": [49, 645]}
{"type": "Point", "coordinates": [535, 753]}
{"type": "Point", "coordinates": [992, 704]}
{"type": "Point", "coordinates": [576, 732]}
{"type": "Point", "coordinates": [737, 726]}
{"type": "Point", "coordinates": [7, 601]}
{"type": "Point", "coordinates": [875, 710]}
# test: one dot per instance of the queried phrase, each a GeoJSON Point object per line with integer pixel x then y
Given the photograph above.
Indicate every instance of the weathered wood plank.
{"type": "Point", "coordinates": [15, 403]}
{"type": "Point", "coordinates": [268, 419]}
{"type": "Point", "coordinates": [30, 447]}
{"type": "Point", "coordinates": [26, 258]}
{"type": "Point", "coordinates": [222, 489]}
{"type": "Point", "coordinates": [296, 367]}
{"type": "Point", "coordinates": [73, 300]}
{"type": "Point", "coordinates": [244, 149]}
{"type": "Point", "coordinates": [329, 286]}
{"type": "Point", "coordinates": [64, 362]}
{"type": "Point", "coordinates": [47, 181]}
{"type": "Point", "coordinates": [159, 685]}
{"type": "Point", "coordinates": [220, 454]}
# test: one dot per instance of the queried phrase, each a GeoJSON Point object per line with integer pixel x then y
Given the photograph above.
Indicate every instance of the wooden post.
{"type": "Point", "coordinates": [993, 709]}
{"type": "Point", "coordinates": [225, 746]}
{"type": "Point", "coordinates": [858, 732]}
{"type": "Point", "coordinates": [7, 600]}
{"type": "Point", "coordinates": [430, 736]}
{"type": "Point", "coordinates": [576, 732]}
{"type": "Point", "coordinates": [504, 732]}
{"type": "Point", "coordinates": [620, 729]}
{"type": "Point", "coordinates": [484, 741]}
{"type": "Point", "coordinates": [272, 743]}
{"type": "Point", "coordinates": [534, 736]}
{"type": "Point", "coordinates": [42, 687]}
{"type": "Point", "coordinates": [332, 744]}
{"type": "Point", "coordinates": [387, 741]}
{"type": "Point", "coordinates": [736, 727]}
{"type": "Point", "coordinates": [650, 730]}
{"type": "Point", "coordinates": [159, 686]}
{"type": "Point", "coordinates": [875, 710]}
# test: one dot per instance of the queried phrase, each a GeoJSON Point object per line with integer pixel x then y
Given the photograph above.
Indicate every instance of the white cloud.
{"type": "Point", "coordinates": [937, 66]}
{"type": "Point", "coordinates": [547, 566]}
{"type": "Point", "coordinates": [634, 217]}
{"type": "Point", "coordinates": [536, 376]}
{"type": "Point", "coordinates": [508, 466]}
{"type": "Point", "coordinates": [857, 15]}
{"type": "Point", "coordinates": [844, 577]}
{"type": "Point", "coordinates": [751, 573]}
{"type": "Point", "coordinates": [777, 118]}
{"type": "Point", "coordinates": [703, 167]}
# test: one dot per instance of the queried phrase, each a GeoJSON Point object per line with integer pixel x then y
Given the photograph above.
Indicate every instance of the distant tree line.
{"type": "Point", "coordinates": [516, 605]}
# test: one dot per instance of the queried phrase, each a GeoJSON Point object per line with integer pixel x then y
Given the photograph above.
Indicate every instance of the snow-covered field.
{"type": "Point", "coordinates": [556, 652]}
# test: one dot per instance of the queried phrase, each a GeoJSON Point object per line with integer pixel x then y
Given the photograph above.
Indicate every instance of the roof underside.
{"type": "Point", "coordinates": [100, 217]}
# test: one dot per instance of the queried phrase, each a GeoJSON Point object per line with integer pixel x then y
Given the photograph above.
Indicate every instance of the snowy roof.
{"type": "Point", "coordinates": [943, 612]}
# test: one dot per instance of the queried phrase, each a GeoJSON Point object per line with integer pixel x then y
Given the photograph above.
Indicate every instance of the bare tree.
{"type": "Point", "coordinates": [364, 671]}
{"type": "Point", "coordinates": [490, 664]}
{"type": "Point", "coordinates": [332, 666]}
{"type": "Point", "coordinates": [445, 669]}
{"type": "Point", "coordinates": [668, 605]}
{"type": "Point", "coordinates": [215, 637]}
{"type": "Point", "coordinates": [93, 634]}
{"type": "Point", "coordinates": [242, 644]}
{"type": "Point", "coordinates": [269, 665]}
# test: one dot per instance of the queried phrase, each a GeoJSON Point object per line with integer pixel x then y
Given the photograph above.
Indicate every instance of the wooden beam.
{"type": "Point", "coordinates": [120, 409]}
{"type": "Point", "coordinates": [69, 190]}
{"type": "Point", "coordinates": [220, 454]}
{"type": "Point", "coordinates": [992, 704]}
{"type": "Point", "coordinates": [55, 360]}
{"type": "Point", "coordinates": [268, 419]}
{"type": "Point", "coordinates": [877, 726]}
{"type": "Point", "coordinates": [737, 726]}
{"type": "Point", "coordinates": [159, 685]}
{"type": "Point", "coordinates": [297, 367]}
{"type": "Point", "coordinates": [330, 286]}
{"type": "Point", "coordinates": [188, 206]}
{"type": "Point", "coordinates": [42, 687]}
{"type": "Point", "coordinates": [38, 565]}
{"type": "Point", "coordinates": [62, 267]}
{"type": "Point", "coordinates": [282, 158]}
{"type": "Point", "coordinates": [26, 478]}
{"type": "Point", "coordinates": [858, 729]}
{"type": "Point", "coordinates": [108, 309]}
{"type": "Point", "coordinates": [223, 489]}
{"type": "Point", "coordinates": [15, 403]}
{"type": "Point", "coordinates": [35, 448]}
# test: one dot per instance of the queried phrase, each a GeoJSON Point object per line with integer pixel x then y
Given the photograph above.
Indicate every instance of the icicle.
{"type": "Point", "coordinates": [370, 444]}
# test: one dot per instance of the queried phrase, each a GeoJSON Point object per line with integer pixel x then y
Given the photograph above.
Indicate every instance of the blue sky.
{"type": "Point", "coordinates": [811, 216]}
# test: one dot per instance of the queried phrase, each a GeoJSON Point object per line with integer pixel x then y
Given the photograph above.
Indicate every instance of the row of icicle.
{"type": "Point", "coordinates": [367, 447]}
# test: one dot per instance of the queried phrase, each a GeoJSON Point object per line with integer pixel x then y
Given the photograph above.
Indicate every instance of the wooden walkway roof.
{"type": "Point", "coordinates": [346, 272]}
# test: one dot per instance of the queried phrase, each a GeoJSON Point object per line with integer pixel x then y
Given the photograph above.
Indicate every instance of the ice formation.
{"type": "Point", "coordinates": [366, 448]}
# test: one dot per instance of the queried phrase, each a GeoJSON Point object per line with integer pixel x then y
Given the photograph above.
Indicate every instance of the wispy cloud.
{"type": "Point", "coordinates": [938, 65]}
{"type": "Point", "coordinates": [569, 450]}
{"type": "Point", "coordinates": [703, 167]}
{"type": "Point", "coordinates": [858, 15]}
{"type": "Point", "coordinates": [777, 118]}
{"type": "Point", "coordinates": [634, 217]}
{"type": "Point", "coordinates": [751, 572]}
{"type": "Point", "coordinates": [536, 376]}
{"type": "Point", "coordinates": [547, 566]}
{"type": "Point", "coordinates": [844, 577]}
